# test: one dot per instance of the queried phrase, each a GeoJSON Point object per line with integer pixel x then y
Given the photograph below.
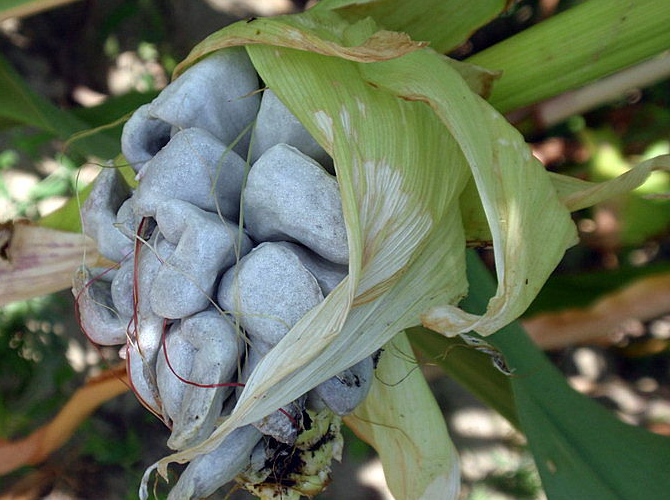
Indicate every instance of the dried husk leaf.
{"type": "Point", "coordinates": [320, 32]}
{"type": "Point", "coordinates": [37, 260]}
{"type": "Point", "coordinates": [641, 300]}
{"type": "Point", "coordinates": [446, 23]}
{"type": "Point", "coordinates": [530, 228]}
{"type": "Point", "coordinates": [40, 443]}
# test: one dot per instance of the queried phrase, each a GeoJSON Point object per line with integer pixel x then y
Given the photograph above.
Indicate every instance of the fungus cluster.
{"type": "Point", "coordinates": [217, 258]}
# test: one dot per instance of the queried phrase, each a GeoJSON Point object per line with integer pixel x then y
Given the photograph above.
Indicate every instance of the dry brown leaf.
{"type": "Point", "coordinates": [42, 442]}
{"type": "Point", "coordinates": [37, 260]}
{"type": "Point", "coordinates": [642, 300]}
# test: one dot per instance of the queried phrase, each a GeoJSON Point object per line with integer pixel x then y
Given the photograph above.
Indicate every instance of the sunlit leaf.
{"type": "Point", "coordinates": [446, 24]}
{"type": "Point", "coordinates": [575, 47]}
{"type": "Point", "coordinates": [402, 421]}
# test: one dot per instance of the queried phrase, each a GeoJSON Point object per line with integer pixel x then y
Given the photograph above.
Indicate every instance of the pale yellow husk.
{"type": "Point", "coordinates": [37, 260]}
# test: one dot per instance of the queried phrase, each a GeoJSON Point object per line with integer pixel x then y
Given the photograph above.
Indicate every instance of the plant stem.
{"type": "Point", "coordinates": [557, 109]}
{"type": "Point", "coordinates": [575, 47]}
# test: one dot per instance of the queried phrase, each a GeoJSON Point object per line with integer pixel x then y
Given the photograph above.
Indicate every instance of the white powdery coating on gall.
{"type": "Point", "coordinates": [127, 222]}
{"type": "Point", "coordinates": [218, 348]}
{"type": "Point", "coordinates": [180, 353]}
{"type": "Point", "coordinates": [277, 125]}
{"type": "Point", "coordinates": [289, 196]}
{"type": "Point", "coordinates": [206, 246]}
{"type": "Point", "coordinates": [98, 214]}
{"type": "Point", "coordinates": [193, 167]}
{"type": "Point", "coordinates": [269, 291]}
{"type": "Point", "coordinates": [207, 473]}
{"type": "Point", "coordinates": [281, 425]}
{"type": "Point", "coordinates": [143, 136]}
{"type": "Point", "coordinates": [97, 316]}
{"type": "Point", "coordinates": [142, 379]}
{"type": "Point", "coordinates": [327, 274]}
{"type": "Point", "coordinates": [147, 268]}
{"type": "Point", "coordinates": [216, 94]}
{"type": "Point", "coordinates": [346, 390]}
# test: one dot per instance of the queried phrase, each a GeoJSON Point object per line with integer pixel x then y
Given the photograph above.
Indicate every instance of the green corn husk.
{"type": "Point", "coordinates": [424, 164]}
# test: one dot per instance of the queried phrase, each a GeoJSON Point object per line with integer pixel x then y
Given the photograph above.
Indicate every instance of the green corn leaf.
{"type": "Point", "coordinates": [67, 217]}
{"type": "Point", "coordinates": [20, 105]}
{"type": "Point", "coordinates": [575, 47]}
{"type": "Point", "coordinates": [470, 368]}
{"type": "Point", "coordinates": [446, 24]}
{"type": "Point", "coordinates": [23, 8]}
{"type": "Point", "coordinates": [581, 450]}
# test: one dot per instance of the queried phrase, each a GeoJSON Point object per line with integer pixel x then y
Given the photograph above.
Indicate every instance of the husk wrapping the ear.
{"type": "Point", "coordinates": [408, 135]}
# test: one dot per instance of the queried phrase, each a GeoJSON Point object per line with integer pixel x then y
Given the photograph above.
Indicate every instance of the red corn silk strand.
{"type": "Point", "coordinates": [77, 315]}
{"type": "Point", "coordinates": [136, 257]}
{"type": "Point", "coordinates": [209, 386]}
{"type": "Point", "coordinates": [186, 381]}
{"type": "Point", "coordinates": [144, 403]}
{"type": "Point", "coordinates": [78, 298]}
{"type": "Point", "coordinates": [288, 415]}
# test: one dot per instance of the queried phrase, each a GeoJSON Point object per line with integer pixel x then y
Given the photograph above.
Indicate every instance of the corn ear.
{"type": "Point", "coordinates": [401, 226]}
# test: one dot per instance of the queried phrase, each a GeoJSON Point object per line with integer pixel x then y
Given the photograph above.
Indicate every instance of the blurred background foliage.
{"type": "Point", "coordinates": [93, 62]}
